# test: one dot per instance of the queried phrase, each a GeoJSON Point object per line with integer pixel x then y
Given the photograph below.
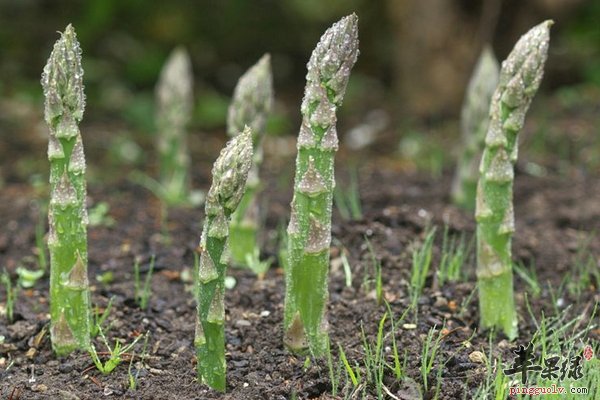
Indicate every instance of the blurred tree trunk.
{"type": "Point", "coordinates": [437, 42]}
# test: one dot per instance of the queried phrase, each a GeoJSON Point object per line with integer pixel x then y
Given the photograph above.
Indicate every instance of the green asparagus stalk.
{"type": "Point", "coordinates": [173, 113]}
{"type": "Point", "coordinates": [309, 228]}
{"type": "Point", "coordinates": [62, 81]}
{"type": "Point", "coordinates": [230, 173]}
{"type": "Point", "coordinates": [251, 104]}
{"type": "Point", "coordinates": [519, 80]}
{"type": "Point", "coordinates": [474, 123]}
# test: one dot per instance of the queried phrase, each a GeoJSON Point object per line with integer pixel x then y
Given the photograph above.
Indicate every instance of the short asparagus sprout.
{"type": "Point", "coordinates": [474, 123]}
{"type": "Point", "coordinates": [309, 228]}
{"type": "Point", "coordinates": [230, 173]}
{"type": "Point", "coordinates": [519, 80]}
{"type": "Point", "coordinates": [62, 81]}
{"type": "Point", "coordinates": [251, 104]}
{"type": "Point", "coordinates": [173, 113]}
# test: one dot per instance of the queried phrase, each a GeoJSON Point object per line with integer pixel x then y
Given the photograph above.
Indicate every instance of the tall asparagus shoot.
{"type": "Point", "coordinates": [309, 228]}
{"type": "Point", "coordinates": [251, 104]}
{"type": "Point", "coordinates": [230, 172]}
{"type": "Point", "coordinates": [62, 81]}
{"type": "Point", "coordinates": [519, 80]}
{"type": "Point", "coordinates": [173, 113]}
{"type": "Point", "coordinates": [474, 124]}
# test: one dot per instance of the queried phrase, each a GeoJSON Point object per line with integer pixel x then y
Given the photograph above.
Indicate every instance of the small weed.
{"type": "Point", "coordinates": [142, 294]}
{"type": "Point", "coordinates": [428, 354]}
{"type": "Point", "coordinates": [354, 377]}
{"type": "Point", "coordinates": [306, 364]}
{"type": "Point", "coordinates": [495, 385]}
{"type": "Point", "coordinates": [425, 151]}
{"type": "Point", "coordinates": [133, 378]}
{"type": "Point", "coordinates": [99, 318]}
{"type": "Point", "coordinates": [257, 266]}
{"type": "Point", "coordinates": [421, 261]}
{"type": "Point", "coordinates": [464, 305]}
{"type": "Point", "coordinates": [196, 197]}
{"type": "Point", "coordinates": [98, 215]}
{"type": "Point", "coordinates": [438, 384]}
{"type": "Point", "coordinates": [500, 382]}
{"type": "Point", "coordinates": [348, 201]}
{"type": "Point", "coordinates": [529, 276]}
{"type": "Point", "coordinates": [11, 295]}
{"type": "Point", "coordinates": [345, 263]}
{"type": "Point", "coordinates": [397, 368]}
{"type": "Point", "coordinates": [28, 277]}
{"type": "Point", "coordinates": [455, 252]}
{"type": "Point", "coordinates": [106, 278]}
{"type": "Point", "coordinates": [370, 371]}
{"type": "Point", "coordinates": [554, 337]}
{"type": "Point", "coordinates": [556, 333]}
{"type": "Point", "coordinates": [347, 268]}
{"type": "Point", "coordinates": [115, 354]}
{"type": "Point", "coordinates": [334, 377]}
{"type": "Point", "coordinates": [374, 360]}
{"type": "Point", "coordinates": [585, 274]}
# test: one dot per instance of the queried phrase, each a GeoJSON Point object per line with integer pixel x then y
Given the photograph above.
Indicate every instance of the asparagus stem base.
{"type": "Point", "coordinates": [211, 357]}
{"type": "Point", "coordinates": [307, 297]}
{"type": "Point", "coordinates": [211, 352]}
{"type": "Point", "coordinates": [497, 305]}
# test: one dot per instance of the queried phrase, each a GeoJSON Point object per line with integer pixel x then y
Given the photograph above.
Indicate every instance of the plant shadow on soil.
{"type": "Point", "coordinates": [552, 214]}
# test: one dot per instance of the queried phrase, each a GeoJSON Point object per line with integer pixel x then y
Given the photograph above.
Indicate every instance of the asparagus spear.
{"type": "Point", "coordinates": [174, 109]}
{"type": "Point", "coordinates": [474, 123]}
{"type": "Point", "coordinates": [251, 104]}
{"type": "Point", "coordinates": [62, 81]}
{"type": "Point", "coordinates": [230, 172]}
{"type": "Point", "coordinates": [519, 80]}
{"type": "Point", "coordinates": [309, 228]}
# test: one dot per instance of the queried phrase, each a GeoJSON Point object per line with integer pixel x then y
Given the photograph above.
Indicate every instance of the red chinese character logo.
{"type": "Point", "coordinates": [588, 353]}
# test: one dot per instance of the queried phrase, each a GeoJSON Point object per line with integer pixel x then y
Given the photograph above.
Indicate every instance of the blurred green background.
{"type": "Point", "coordinates": [406, 89]}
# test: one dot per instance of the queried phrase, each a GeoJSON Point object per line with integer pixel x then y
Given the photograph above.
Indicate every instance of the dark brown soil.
{"type": "Point", "coordinates": [553, 216]}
